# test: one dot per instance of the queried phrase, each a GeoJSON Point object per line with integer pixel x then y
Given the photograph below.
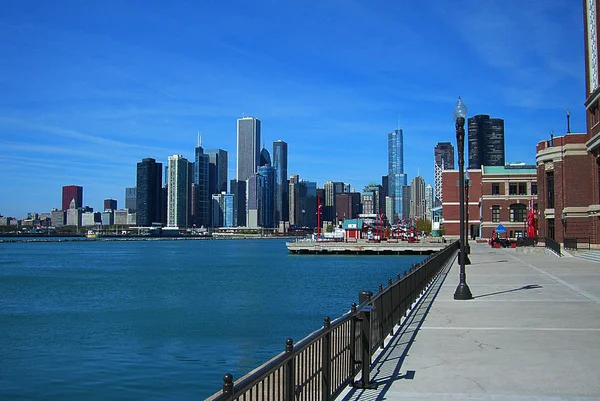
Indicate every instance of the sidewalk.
{"type": "Point", "coordinates": [532, 332]}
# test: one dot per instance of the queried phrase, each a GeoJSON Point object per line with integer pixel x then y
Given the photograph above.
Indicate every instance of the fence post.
{"type": "Point", "coordinates": [326, 360]}
{"type": "Point", "coordinates": [365, 326]}
{"type": "Point", "coordinates": [353, 341]}
{"type": "Point", "coordinates": [228, 386]}
{"type": "Point", "coordinates": [289, 386]}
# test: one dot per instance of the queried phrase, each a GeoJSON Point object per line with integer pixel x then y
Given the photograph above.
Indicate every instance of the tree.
{"type": "Point", "coordinates": [329, 228]}
{"type": "Point", "coordinates": [424, 225]}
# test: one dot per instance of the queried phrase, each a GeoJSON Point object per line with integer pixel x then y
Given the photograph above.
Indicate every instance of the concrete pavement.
{"type": "Point", "coordinates": [532, 332]}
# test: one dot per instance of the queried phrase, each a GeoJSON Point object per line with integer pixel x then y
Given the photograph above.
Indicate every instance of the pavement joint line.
{"type": "Point", "coordinates": [553, 277]}
{"type": "Point", "coordinates": [585, 329]}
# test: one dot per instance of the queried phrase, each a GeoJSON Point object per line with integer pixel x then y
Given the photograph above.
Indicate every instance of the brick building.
{"type": "Point", "coordinates": [497, 195]}
{"type": "Point", "coordinates": [568, 167]}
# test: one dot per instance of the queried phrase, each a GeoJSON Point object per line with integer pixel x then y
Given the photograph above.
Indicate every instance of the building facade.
{"type": "Point", "coordinates": [443, 155]}
{"type": "Point", "coordinates": [417, 198]}
{"type": "Point", "coordinates": [178, 196]}
{"type": "Point", "coordinates": [396, 177]}
{"type": "Point", "coordinates": [149, 199]}
{"type": "Point", "coordinates": [110, 204]}
{"type": "Point", "coordinates": [280, 164]}
{"type": "Point", "coordinates": [201, 190]}
{"type": "Point", "coordinates": [217, 170]}
{"type": "Point", "coordinates": [69, 193]}
{"type": "Point", "coordinates": [130, 198]}
{"type": "Point", "coordinates": [248, 147]}
{"type": "Point", "coordinates": [486, 141]}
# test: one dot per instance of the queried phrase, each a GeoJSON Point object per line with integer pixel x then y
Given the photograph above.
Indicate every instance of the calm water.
{"type": "Point", "coordinates": [162, 319]}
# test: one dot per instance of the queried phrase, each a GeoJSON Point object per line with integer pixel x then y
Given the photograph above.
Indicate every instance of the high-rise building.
{"type": "Point", "coordinates": [217, 170]}
{"type": "Point", "coordinates": [265, 158]}
{"type": "Point", "coordinates": [254, 200]}
{"type": "Point", "coordinates": [130, 196]}
{"type": "Point", "coordinates": [293, 199]}
{"type": "Point", "coordinates": [222, 209]}
{"type": "Point", "coordinates": [396, 177]}
{"type": "Point", "coordinates": [110, 204]}
{"type": "Point", "coordinates": [267, 211]}
{"type": "Point", "coordinates": [405, 203]}
{"type": "Point", "coordinates": [443, 155]}
{"type": "Point", "coordinates": [201, 193]}
{"type": "Point", "coordinates": [428, 201]}
{"type": "Point", "coordinates": [149, 199]}
{"type": "Point", "coordinates": [178, 192]}
{"type": "Point", "coordinates": [69, 193]}
{"type": "Point", "coordinates": [486, 141]}
{"type": "Point", "coordinates": [280, 164]}
{"type": "Point", "coordinates": [417, 198]}
{"type": "Point", "coordinates": [331, 190]}
{"type": "Point", "coordinates": [248, 147]}
{"type": "Point", "coordinates": [307, 204]}
{"type": "Point", "coordinates": [238, 190]}
{"type": "Point", "coordinates": [74, 213]}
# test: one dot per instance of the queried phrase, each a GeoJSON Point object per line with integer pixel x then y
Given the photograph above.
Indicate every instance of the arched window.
{"type": "Point", "coordinates": [518, 212]}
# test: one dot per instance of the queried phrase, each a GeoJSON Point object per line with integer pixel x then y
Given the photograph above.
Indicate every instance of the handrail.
{"type": "Point", "coordinates": [573, 243]}
{"type": "Point", "coordinates": [322, 364]}
{"type": "Point", "coordinates": [552, 245]}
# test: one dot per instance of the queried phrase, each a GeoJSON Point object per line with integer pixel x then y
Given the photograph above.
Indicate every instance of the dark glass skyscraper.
{"type": "Point", "coordinates": [443, 155]}
{"type": "Point", "coordinates": [203, 195]}
{"type": "Point", "coordinates": [149, 205]}
{"type": "Point", "coordinates": [267, 211]}
{"type": "Point", "coordinates": [486, 141]}
{"type": "Point", "coordinates": [217, 170]}
{"type": "Point", "coordinates": [69, 193]}
{"type": "Point", "coordinates": [280, 164]}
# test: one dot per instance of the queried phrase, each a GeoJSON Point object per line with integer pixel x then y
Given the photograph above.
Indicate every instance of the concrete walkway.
{"type": "Point", "coordinates": [532, 332]}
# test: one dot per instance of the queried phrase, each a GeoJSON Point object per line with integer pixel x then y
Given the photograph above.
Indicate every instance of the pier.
{"type": "Point", "coordinates": [365, 247]}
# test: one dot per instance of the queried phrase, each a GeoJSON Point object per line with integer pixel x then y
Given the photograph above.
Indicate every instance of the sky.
{"type": "Point", "coordinates": [88, 89]}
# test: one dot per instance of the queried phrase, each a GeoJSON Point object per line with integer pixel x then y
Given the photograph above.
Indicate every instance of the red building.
{"type": "Point", "coordinates": [568, 167]}
{"type": "Point", "coordinates": [497, 195]}
{"type": "Point", "coordinates": [69, 193]}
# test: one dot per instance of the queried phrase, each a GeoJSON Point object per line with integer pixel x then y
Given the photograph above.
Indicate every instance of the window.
{"type": "Point", "coordinates": [495, 188]}
{"type": "Point", "coordinates": [534, 188]}
{"type": "Point", "coordinates": [512, 189]}
{"type": "Point", "coordinates": [495, 214]}
{"type": "Point", "coordinates": [518, 212]}
{"type": "Point", "coordinates": [550, 229]}
{"type": "Point", "coordinates": [550, 190]}
{"type": "Point", "coordinates": [522, 188]}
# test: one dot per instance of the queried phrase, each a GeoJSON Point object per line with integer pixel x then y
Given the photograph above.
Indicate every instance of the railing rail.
{"type": "Point", "coordinates": [322, 364]}
{"type": "Point", "coordinates": [552, 245]}
{"type": "Point", "coordinates": [527, 241]}
{"type": "Point", "coordinates": [573, 243]}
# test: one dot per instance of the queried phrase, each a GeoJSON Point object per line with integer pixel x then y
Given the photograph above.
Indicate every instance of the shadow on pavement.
{"type": "Point", "coordinates": [525, 287]}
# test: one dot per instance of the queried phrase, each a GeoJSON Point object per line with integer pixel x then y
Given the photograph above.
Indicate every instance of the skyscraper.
{"type": "Point", "coordinates": [130, 196]}
{"type": "Point", "coordinates": [267, 211]}
{"type": "Point", "coordinates": [178, 192]}
{"type": "Point", "coordinates": [217, 170]}
{"type": "Point", "coordinates": [149, 203]}
{"type": "Point", "coordinates": [443, 155]}
{"type": "Point", "coordinates": [69, 193]}
{"type": "Point", "coordinates": [202, 195]}
{"type": "Point", "coordinates": [331, 190]}
{"type": "Point", "coordinates": [486, 141]}
{"type": "Point", "coordinates": [396, 177]}
{"type": "Point", "coordinates": [280, 164]}
{"type": "Point", "coordinates": [248, 147]}
{"type": "Point", "coordinates": [417, 198]}
{"type": "Point", "coordinates": [110, 204]}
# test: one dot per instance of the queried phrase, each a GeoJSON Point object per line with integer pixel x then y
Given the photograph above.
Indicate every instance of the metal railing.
{"type": "Point", "coordinates": [322, 364]}
{"type": "Point", "coordinates": [552, 245]}
{"type": "Point", "coordinates": [573, 243]}
{"type": "Point", "coordinates": [527, 241]}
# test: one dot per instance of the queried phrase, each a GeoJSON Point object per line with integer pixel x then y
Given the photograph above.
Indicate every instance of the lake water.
{"type": "Point", "coordinates": [137, 320]}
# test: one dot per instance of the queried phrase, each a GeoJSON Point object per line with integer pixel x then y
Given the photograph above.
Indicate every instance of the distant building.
{"type": "Point", "coordinates": [280, 164]}
{"type": "Point", "coordinates": [396, 177]}
{"type": "Point", "coordinates": [201, 194]}
{"type": "Point", "coordinates": [178, 192]}
{"type": "Point", "coordinates": [405, 203]}
{"type": "Point", "coordinates": [254, 200]}
{"type": "Point", "coordinates": [428, 201]}
{"type": "Point", "coordinates": [443, 155]}
{"type": "Point", "coordinates": [347, 206]}
{"type": "Point", "coordinates": [248, 147]}
{"type": "Point", "coordinates": [121, 217]}
{"type": "Point", "coordinates": [130, 199]}
{"type": "Point", "coordinates": [88, 219]}
{"type": "Point", "coordinates": [486, 141]}
{"type": "Point", "coordinates": [417, 198]}
{"type": "Point", "coordinates": [217, 171]}
{"type": "Point", "coordinates": [293, 198]}
{"type": "Point", "coordinates": [267, 211]}
{"type": "Point", "coordinates": [74, 214]}
{"type": "Point", "coordinates": [108, 217]}
{"type": "Point", "coordinates": [223, 210]}
{"type": "Point", "coordinates": [58, 217]}
{"type": "Point", "coordinates": [149, 199]}
{"type": "Point", "coordinates": [331, 189]}
{"type": "Point", "coordinates": [69, 193]}
{"type": "Point", "coordinates": [110, 204]}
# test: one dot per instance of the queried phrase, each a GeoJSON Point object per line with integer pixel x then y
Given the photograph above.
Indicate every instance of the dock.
{"type": "Point", "coordinates": [365, 247]}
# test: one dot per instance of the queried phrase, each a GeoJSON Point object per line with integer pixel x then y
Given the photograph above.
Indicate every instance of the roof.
{"type": "Point", "coordinates": [353, 224]}
{"type": "Point", "coordinates": [503, 170]}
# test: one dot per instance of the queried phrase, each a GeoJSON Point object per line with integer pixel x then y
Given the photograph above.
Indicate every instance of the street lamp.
{"type": "Point", "coordinates": [467, 227]}
{"type": "Point", "coordinates": [460, 112]}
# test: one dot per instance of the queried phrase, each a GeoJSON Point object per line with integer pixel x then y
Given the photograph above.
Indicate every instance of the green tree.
{"type": "Point", "coordinates": [424, 225]}
{"type": "Point", "coordinates": [329, 228]}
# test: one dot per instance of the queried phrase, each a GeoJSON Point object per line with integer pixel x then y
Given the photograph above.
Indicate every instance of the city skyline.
{"type": "Point", "coordinates": [87, 92]}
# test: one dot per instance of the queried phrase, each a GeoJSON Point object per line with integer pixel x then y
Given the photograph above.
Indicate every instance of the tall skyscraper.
{"type": "Point", "coordinates": [178, 192]}
{"type": "Point", "coordinates": [110, 204]}
{"type": "Point", "coordinates": [486, 141]}
{"type": "Point", "coordinates": [222, 209]}
{"type": "Point", "coordinates": [331, 190]}
{"type": "Point", "coordinates": [248, 147]}
{"type": "Point", "coordinates": [443, 155]}
{"type": "Point", "coordinates": [149, 204]}
{"type": "Point", "coordinates": [428, 201]}
{"type": "Point", "coordinates": [417, 198]}
{"type": "Point", "coordinates": [293, 199]}
{"type": "Point", "coordinates": [202, 195]}
{"type": "Point", "coordinates": [130, 196]}
{"type": "Point", "coordinates": [280, 164]}
{"type": "Point", "coordinates": [217, 170]}
{"type": "Point", "coordinates": [267, 211]}
{"type": "Point", "coordinates": [69, 193]}
{"type": "Point", "coordinates": [396, 177]}
{"type": "Point", "coordinates": [254, 200]}
{"type": "Point", "coordinates": [238, 190]}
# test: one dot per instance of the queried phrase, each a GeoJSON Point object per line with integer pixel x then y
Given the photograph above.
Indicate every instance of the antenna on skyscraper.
{"type": "Point", "coordinates": [199, 139]}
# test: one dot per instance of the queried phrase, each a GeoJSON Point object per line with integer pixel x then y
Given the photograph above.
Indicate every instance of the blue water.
{"type": "Point", "coordinates": [129, 320]}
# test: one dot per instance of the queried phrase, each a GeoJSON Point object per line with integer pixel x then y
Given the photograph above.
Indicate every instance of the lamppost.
{"type": "Point", "coordinates": [467, 227]}
{"type": "Point", "coordinates": [460, 112]}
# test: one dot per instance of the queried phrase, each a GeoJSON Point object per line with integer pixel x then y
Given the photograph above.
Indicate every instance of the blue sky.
{"type": "Point", "coordinates": [88, 89]}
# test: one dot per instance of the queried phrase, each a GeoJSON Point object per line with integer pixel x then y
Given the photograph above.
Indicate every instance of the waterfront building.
{"type": "Point", "coordinates": [497, 195]}
{"type": "Point", "coordinates": [130, 196]}
{"type": "Point", "coordinates": [217, 170]}
{"type": "Point", "coordinates": [486, 141]}
{"type": "Point", "coordinates": [223, 210]}
{"type": "Point", "coordinates": [307, 204]}
{"type": "Point", "coordinates": [405, 203]}
{"type": "Point", "coordinates": [396, 177]}
{"type": "Point", "coordinates": [69, 193]}
{"type": "Point", "coordinates": [108, 217]}
{"type": "Point", "coordinates": [178, 192]}
{"type": "Point", "coordinates": [443, 155]}
{"type": "Point", "coordinates": [267, 211]}
{"type": "Point", "coordinates": [417, 198]}
{"type": "Point", "coordinates": [131, 219]}
{"type": "Point", "coordinates": [120, 217]}
{"type": "Point", "coordinates": [331, 190]}
{"type": "Point", "coordinates": [58, 217]}
{"type": "Point", "coordinates": [200, 190]}
{"type": "Point", "coordinates": [389, 206]}
{"type": "Point", "coordinates": [280, 164]}
{"type": "Point", "coordinates": [74, 214]}
{"type": "Point", "coordinates": [110, 204]}
{"type": "Point", "coordinates": [149, 193]}
{"type": "Point", "coordinates": [88, 219]}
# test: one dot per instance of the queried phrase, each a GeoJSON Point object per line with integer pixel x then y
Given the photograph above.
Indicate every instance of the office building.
{"type": "Point", "coordinates": [396, 177]}
{"type": "Point", "coordinates": [58, 217]}
{"type": "Point", "coordinates": [486, 141]}
{"type": "Point", "coordinates": [443, 155]}
{"type": "Point", "coordinates": [130, 198]}
{"type": "Point", "coordinates": [217, 170]}
{"type": "Point", "coordinates": [110, 204]}
{"type": "Point", "coordinates": [428, 201]}
{"type": "Point", "coordinates": [178, 192]}
{"type": "Point", "coordinates": [417, 198]}
{"type": "Point", "coordinates": [74, 213]}
{"type": "Point", "coordinates": [267, 211]}
{"type": "Point", "coordinates": [280, 164]}
{"type": "Point", "coordinates": [406, 216]}
{"type": "Point", "coordinates": [238, 190]}
{"type": "Point", "coordinates": [69, 193]}
{"type": "Point", "coordinates": [223, 210]}
{"type": "Point", "coordinates": [331, 189]}
{"type": "Point", "coordinates": [293, 199]}
{"type": "Point", "coordinates": [248, 147]}
{"type": "Point", "coordinates": [149, 198]}
{"type": "Point", "coordinates": [200, 207]}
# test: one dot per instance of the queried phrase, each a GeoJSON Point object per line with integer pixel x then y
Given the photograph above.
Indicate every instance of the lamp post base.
{"type": "Point", "coordinates": [463, 292]}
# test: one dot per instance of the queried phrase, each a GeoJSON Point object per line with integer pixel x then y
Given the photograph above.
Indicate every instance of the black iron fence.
{"type": "Point", "coordinates": [576, 243]}
{"type": "Point", "coordinates": [552, 245]}
{"type": "Point", "coordinates": [527, 241]}
{"type": "Point", "coordinates": [321, 365]}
